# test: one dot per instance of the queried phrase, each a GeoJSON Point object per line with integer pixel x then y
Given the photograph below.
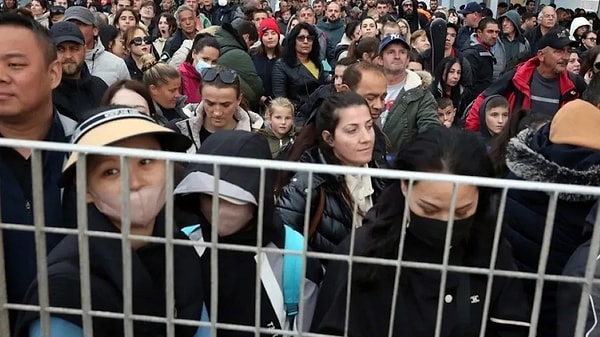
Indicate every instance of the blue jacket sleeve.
{"type": "Point", "coordinates": [58, 327]}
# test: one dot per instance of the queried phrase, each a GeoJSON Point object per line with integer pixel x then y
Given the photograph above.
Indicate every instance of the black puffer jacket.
{"type": "Point", "coordinates": [336, 221]}
{"type": "Point", "coordinates": [295, 81]}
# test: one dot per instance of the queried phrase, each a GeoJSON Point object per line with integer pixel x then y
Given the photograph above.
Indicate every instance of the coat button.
{"type": "Point", "coordinates": [448, 299]}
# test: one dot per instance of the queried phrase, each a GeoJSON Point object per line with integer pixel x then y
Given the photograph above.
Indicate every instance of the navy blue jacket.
{"type": "Point", "coordinates": [531, 156]}
{"type": "Point", "coordinates": [264, 68]}
{"type": "Point", "coordinates": [17, 208]}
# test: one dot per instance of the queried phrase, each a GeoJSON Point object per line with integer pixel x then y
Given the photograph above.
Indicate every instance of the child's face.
{"type": "Point", "coordinates": [496, 118]}
{"type": "Point", "coordinates": [281, 120]}
{"type": "Point", "coordinates": [446, 115]}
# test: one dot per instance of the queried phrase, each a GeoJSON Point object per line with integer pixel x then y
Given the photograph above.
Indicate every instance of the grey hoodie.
{"type": "Point", "coordinates": [106, 65]}
{"type": "Point", "coordinates": [519, 46]}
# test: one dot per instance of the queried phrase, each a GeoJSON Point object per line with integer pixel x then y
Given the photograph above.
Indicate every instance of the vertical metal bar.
{"type": "Point", "coordinates": [169, 249]}
{"type": "Point", "coordinates": [307, 218]}
{"type": "Point", "coordinates": [440, 308]}
{"type": "Point", "coordinates": [539, 285]}
{"type": "Point", "coordinates": [399, 260]}
{"type": "Point", "coordinates": [349, 283]}
{"type": "Point", "coordinates": [83, 243]}
{"type": "Point", "coordinates": [214, 258]}
{"type": "Point", "coordinates": [259, 254]}
{"type": "Point", "coordinates": [40, 238]}
{"type": "Point", "coordinates": [589, 278]}
{"type": "Point", "coordinates": [493, 258]}
{"type": "Point", "coordinates": [126, 248]}
{"type": "Point", "coordinates": [4, 318]}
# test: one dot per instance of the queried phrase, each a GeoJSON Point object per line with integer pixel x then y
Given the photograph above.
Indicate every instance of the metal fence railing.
{"type": "Point", "coordinates": [83, 234]}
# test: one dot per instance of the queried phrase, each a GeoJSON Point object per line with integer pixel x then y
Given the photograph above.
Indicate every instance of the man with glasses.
{"type": "Point", "coordinates": [542, 84]}
{"type": "Point", "coordinates": [78, 90]}
{"type": "Point", "coordinates": [547, 21]}
{"type": "Point", "coordinates": [472, 16]}
{"type": "Point", "coordinates": [409, 13]}
{"type": "Point", "coordinates": [109, 67]}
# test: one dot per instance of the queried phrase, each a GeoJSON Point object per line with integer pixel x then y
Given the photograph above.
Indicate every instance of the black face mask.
{"type": "Point", "coordinates": [432, 232]}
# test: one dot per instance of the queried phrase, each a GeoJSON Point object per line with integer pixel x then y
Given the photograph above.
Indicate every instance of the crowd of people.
{"type": "Point", "coordinates": [510, 93]}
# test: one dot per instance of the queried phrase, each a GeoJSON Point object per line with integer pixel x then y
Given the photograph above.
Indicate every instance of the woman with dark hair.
{"type": "Point", "coordinates": [39, 10]}
{"type": "Point", "coordinates": [591, 64]}
{"type": "Point", "coordinates": [343, 134]}
{"type": "Point", "coordinates": [266, 54]}
{"type": "Point", "coordinates": [351, 36]}
{"type": "Point", "coordinates": [299, 72]}
{"type": "Point", "coordinates": [448, 82]}
{"type": "Point", "coordinates": [367, 50]}
{"type": "Point", "coordinates": [125, 18]}
{"type": "Point", "coordinates": [130, 93]}
{"type": "Point", "coordinates": [204, 54]}
{"type": "Point", "coordinates": [166, 26]}
{"type": "Point", "coordinates": [415, 216]}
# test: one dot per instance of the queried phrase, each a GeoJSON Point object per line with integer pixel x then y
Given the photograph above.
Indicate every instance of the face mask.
{"type": "Point", "coordinates": [144, 205]}
{"type": "Point", "coordinates": [202, 65]}
{"type": "Point", "coordinates": [223, 3]}
{"type": "Point", "coordinates": [432, 232]}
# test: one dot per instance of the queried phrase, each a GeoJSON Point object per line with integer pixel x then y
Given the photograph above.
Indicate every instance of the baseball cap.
{"type": "Point", "coordinates": [471, 7]}
{"type": "Point", "coordinates": [391, 39]}
{"type": "Point", "coordinates": [66, 32]}
{"type": "Point", "coordinates": [204, 183]}
{"type": "Point", "coordinates": [80, 14]}
{"type": "Point", "coordinates": [115, 124]}
{"type": "Point", "coordinates": [556, 38]}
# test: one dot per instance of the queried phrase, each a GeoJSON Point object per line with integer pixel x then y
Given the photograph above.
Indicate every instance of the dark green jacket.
{"type": "Point", "coordinates": [234, 55]}
{"type": "Point", "coordinates": [413, 112]}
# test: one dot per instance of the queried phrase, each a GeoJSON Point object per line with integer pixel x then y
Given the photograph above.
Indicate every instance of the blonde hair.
{"type": "Point", "coordinates": [417, 34]}
{"type": "Point", "coordinates": [407, 35]}
{"type": "Point", "coordinates": [280, 102]}
{"type": "Point", "coordinates": [157, 73]}
{"type": "Point", "coordinates": [128, 35]}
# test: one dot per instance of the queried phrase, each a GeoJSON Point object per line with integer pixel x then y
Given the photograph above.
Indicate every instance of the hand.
{"type": "Point", "coordinates": [447, 124]}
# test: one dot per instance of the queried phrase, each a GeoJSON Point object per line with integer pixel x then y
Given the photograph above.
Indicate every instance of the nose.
{"type": "Point", "coordinates": [378, 104]}
{"type": "Point", "coordinates": [136, 178]}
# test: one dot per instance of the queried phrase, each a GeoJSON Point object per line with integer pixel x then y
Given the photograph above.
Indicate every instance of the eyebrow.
{"type": "Point", "coordinates": [13, 54]}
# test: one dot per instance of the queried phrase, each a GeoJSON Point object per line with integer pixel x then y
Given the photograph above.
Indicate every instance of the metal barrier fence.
{"type": "Point", "coordinates": [128, 316]}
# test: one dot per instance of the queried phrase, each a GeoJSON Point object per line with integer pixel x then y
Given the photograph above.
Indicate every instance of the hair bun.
{"type": "Point", "coordinates": [148, 61]}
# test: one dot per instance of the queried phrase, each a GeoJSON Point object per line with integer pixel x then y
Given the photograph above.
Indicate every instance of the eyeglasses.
{"type": "Point", "coordinates": [302, 38]}
{"type": "Point", "coordinates": [138, 41]}
{"type": "Point", "coordinates": [593, 39]}
{"type": "Point", "coordinates": [57, 10]}
{"type": "Point", "coordinates": [227, 76]}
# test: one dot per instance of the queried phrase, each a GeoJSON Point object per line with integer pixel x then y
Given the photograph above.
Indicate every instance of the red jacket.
{"type": "Point", "coordinates": [514, 85]}
{"type": "Point", "coordinates": [191, 82]}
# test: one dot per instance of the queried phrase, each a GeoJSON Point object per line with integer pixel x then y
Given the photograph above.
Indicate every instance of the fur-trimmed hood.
{"type": "Point", "coordinates": [532, 157]}
{"type": "Point", "coordinates": [426, 78]}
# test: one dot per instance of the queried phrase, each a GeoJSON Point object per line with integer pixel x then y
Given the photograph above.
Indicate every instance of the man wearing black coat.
{"type": "Point", "coordinates": [409, 12]}
{"type": "Point", "coordinates": [78, 90]}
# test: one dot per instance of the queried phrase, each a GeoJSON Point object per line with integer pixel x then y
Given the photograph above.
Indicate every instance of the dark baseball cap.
{"type": "Point", "coordinates": [391, 39]}
{"type": "Point", "coordinates": [66, 32]}
{"type": "Point", "coordinates": [556, 38]}
{"type": "Point", "coordinates": [471, 7]}
{"type": "Point", "coordinates": [80, 14]}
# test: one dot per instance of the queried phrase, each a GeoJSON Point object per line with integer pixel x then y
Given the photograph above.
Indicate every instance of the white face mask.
{"type": "Point", "coordinates": [144, 205]}
{"type": "Point", "coordinates": [223, 3]}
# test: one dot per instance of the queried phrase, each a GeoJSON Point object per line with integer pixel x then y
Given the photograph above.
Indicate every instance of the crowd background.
{"type": "Point", "coordinates": [511, 93]}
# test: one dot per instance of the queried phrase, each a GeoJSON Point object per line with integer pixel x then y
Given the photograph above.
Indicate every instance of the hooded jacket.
{"type": "Point", "coordinates": [108, 66]}
{"type": "Point", "coordinates": [234, 55]}
{"type": "Point", "coordinates": [277, 144]}
{"type": "Point", "coordinates": [514, 85]}
{"type": "Point", "coordinates": [483, 129]}
{"type": "Point", "coordinates": [372, 288]}
{"type": "Point", "coordinates": [191, 82]}
{"type": "Point", "coordinates": [191, 127]}
{"type": "Point", "coordinates": [336, 221]}
{"type": "Point", "coordinates": [237, 269]}
{"type": "Point", "coordinates": [413, 112]}
{"type": "Point", "coordinates": [174, 42]}
{"type": "Point", "coordinates": [106, 281]}
{"type": "Point", "coordinates": [577, 23]}
{"type": "Point", "coordinates": [230, 14]}
{"type": "Point", "coordinates": [73, 97]}
{"type": "Point", "coordinates": [334, 32]}
{"type": "Point", "coordinates": [164, 116]}
{"type": "Point", "coordinates": [519, 47]}
{"type": "Point", "coordinates": [482, 61]}
{"type": "Point", "coordinates": [532, 156]}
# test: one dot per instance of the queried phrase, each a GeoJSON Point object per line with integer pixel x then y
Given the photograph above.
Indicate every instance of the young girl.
{"type": "Point", "coordinates": [280, 130]}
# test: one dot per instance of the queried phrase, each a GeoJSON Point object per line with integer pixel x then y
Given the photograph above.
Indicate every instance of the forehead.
{"type": "Point", "coordinates": [491, 26]}
{"type": "Point", "coordinates": [368, 22]}
{"type": "Point", "coordinates": [353, 115]}
{"type": "Point", "coordinates": [440, 193]}
{"type": "Point", "coordinates": [215, 94]}
{"type": "Point", "coordinates": [19, 42]}
{"type": "Point", "coordinates": [306, 11]}
{"type": "Point", "coordinates": [371, 82]}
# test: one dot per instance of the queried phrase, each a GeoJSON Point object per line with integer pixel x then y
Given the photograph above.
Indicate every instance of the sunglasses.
{"type": "Point", "coordinates": [227, 76]}
{"type": "Point", "coordinates": [138, 41]}
{"type": "Point", "coordinates": [302, 38]}
{"type": "Point", "coordinates": [57, 10]}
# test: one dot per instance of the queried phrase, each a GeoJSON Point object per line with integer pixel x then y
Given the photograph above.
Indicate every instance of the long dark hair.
{"type": "Point", "coordinates": [289, 48]}
{"type": "Point", "coordinates": [438, 149]}
{"type": "Point", "coordinates": [327, 119]}
{"type": "Point", "coordinates": [201, 41]}
{"type": "Point", "coordinates": [588, 63]}
{"type": "Point", "coordinates": [441, 74]}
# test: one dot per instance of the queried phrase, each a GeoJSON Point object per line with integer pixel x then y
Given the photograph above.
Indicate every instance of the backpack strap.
{"type": "Point", "coordinates": [316, 218]}
{"type": "Point", "coordinates": [292, 274]}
